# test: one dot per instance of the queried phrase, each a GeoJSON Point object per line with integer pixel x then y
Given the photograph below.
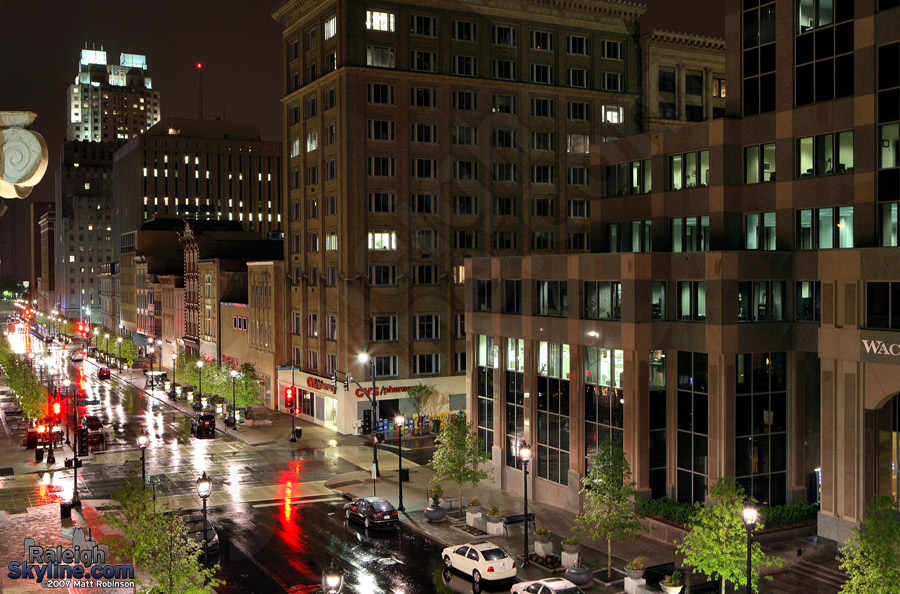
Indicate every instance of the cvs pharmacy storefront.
{"type": "Point", "coordinates": [343, 409]}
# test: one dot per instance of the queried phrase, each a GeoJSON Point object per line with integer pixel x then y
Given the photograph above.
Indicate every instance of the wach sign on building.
{"type": "Point", "coordinates": [879, 347]}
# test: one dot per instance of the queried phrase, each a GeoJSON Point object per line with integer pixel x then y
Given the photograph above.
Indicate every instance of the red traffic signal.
{"type": "Point", "coordinates": [56, 408]}
{"type": "Point", "coordinates": [288, 395]}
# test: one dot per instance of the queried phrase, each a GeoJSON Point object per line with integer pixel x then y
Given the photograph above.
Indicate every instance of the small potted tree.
{"type": "Point", "coordinates": [578, 574]}
{"type": "Point", "coordinates": [571, 545]}
{"type": "Point", "coordinates": [673, 583]}
{"type": "Point", "coordinates": [493, 515]}
{"type": "Point", "coordinates": [434, 512]}
{"type": "Point", "coordinates": [473, 511]}
{"type": "Point", "coordinates": [542, 534]}
{"type": "Point", "coordinates": [635, 569]}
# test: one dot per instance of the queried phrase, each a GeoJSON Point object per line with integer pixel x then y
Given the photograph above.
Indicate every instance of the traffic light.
{"type": "Point", "coordinates": [289, 398]}
{"type": "Point", "coordinates": [56, 408]}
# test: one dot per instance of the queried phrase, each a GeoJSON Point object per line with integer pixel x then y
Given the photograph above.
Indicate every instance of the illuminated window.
{"type": "Point", "coordinates": [330, 27]}
{"type": "Point", "coordinates": [377, 21]}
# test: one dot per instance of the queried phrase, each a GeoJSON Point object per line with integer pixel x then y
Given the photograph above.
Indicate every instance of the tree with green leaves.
{"type": "Point", "coordinates": [717, 542]}
{"type": "Point", "coordinates": [246, 386]}
{"type": "Point", "coordinates": [871, 558]}
{"type": "Point", "coordinates": [458, 455]}
{"type": "Point", "coordinates": [422, 397]}
{"type": "Point", "coordinates": [610, 512]}
{"type": "Point", "coordinates": [157, 543]}
{"type": "Point", "coordinates": [30, 394]}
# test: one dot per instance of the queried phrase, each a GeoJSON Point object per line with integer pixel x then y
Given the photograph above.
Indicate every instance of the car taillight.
{"type": "Point", "coordinates": [377, 515]}
{"type": "Point", "coordinates": [490, 569]}
{"type": "Point", "coordinates": [514, 565]}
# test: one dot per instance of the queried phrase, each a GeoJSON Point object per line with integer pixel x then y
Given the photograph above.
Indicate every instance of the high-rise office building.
{"type": "Point", "coordinates": [417, 137]}
{"type": "Point", "coordinates": [107, 104]}
{"type": "Point", "coordinates": [738, 318]}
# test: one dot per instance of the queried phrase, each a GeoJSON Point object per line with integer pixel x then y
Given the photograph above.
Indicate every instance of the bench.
{"type": "Point", "coordinates": [517, 519]}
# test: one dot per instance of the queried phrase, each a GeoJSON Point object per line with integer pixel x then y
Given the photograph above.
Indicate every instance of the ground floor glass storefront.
{"type": "Point", "coordinates": [553, 419]}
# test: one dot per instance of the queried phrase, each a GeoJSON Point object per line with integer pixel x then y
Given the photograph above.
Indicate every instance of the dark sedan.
{"type": "Point", "coordinates": [203, 425]}
{"type": "Point", "coordinates": [372, 511]}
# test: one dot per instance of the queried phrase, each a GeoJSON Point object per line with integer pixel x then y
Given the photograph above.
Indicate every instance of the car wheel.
{"type": "Point", "coordinates": [447, 562]}
{"type": "Point", "coordinates": [476, 577]}
{"type": "Point", "coordinates": [367, 523]}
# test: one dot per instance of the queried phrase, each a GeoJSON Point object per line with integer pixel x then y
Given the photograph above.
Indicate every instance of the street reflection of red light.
{"type": "Point", "coordinates": [289, 529]}
{"type": "Point", "coordinates": [287, 502]}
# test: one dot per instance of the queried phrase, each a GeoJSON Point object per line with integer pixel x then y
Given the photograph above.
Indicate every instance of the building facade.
{"type": "Point", "coordinates": [417, 136]}
{"type": "Point", "coordinates": [683, 79]}
{"type": "Point", "coordinates": [43, 258]}
{"type": "Point", "coordinates": [208, 170]}
{"type": "Point", "coordinates": [264, 325]}
{"type": "Point", "coordinates": [738, 322]}
{"type": "Point", "coordinates": [111, 102]}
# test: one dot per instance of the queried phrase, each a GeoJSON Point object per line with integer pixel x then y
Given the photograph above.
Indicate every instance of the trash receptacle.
{"type": "Point", "coordinates": [404, 475]}
{"type": "Point", "coordinates": [298, 432]}
{"type": "Point", "coordinates": [65, 509]}
{"type": "Point", "coordinates": [38, 454]}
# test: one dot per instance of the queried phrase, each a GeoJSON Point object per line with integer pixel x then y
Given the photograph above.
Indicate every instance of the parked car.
{"type": "Point", "coordinates": [482, 560]}
{"type": "Point", "coordinates": [372, 511]}
{"type": "Point", "coordinates": [193, 521]}
{"type": "Point", "coordinates": [104, 373]}
{"type": "Point", "coordinates": [77, 357]}
{"type": "Point", "coordinates": [203, 425]}
{"type": "Point", "coordinates": [552, 585]}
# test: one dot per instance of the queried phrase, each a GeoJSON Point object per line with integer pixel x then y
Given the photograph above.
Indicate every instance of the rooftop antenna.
{"type": "Point", "coordinates": [200, 101]}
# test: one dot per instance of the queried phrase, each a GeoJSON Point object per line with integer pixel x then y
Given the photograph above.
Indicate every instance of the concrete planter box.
{"type": "Point", "coordinates": [580, 576]}
{"type": "Point", "coordinates": [435, 514]}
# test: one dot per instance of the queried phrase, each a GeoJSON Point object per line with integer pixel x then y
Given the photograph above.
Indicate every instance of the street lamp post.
{"type": "Point", "coordinates": [363, 357]}
{"type": "Point", "coordinates": [398, 424]}
{"type": "Point", "coordinates": [119, 340]}
{"type": "Point", "coordinates": [151, 350]}
{"type": "Point", "coordinates": [332, 580]}
{"type": "Point", "coordinates": [174, 362]}
{"type": "Point", "coordinates": [750, 516]}
{"type": "Point", "coordinates": [142, 440]}
{"type": "Point", "coordinates": [200, 375]}
{"type": "Point", "coordinates": [234, 375]}
{"type": "Point", "coordinates": [204, 487]}
{"type": "Point", "coordinates": [107, 345]}
{"type": "Point", "coordinates": [525, 456]}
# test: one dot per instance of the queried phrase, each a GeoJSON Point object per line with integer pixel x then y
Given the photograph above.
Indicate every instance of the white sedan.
{"type": "Point", "coordinates": [553, 585]}
{"type": "Point", "coordinates": [482, 560]}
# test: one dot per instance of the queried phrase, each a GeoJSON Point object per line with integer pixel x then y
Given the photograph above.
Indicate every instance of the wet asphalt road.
{"type": "Point", "coordinates": [286, 548]}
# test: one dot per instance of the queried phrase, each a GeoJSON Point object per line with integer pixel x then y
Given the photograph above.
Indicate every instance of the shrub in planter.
{"type": "Point", "coordinates": [635, 569]}
{"type": "Point", "coordinates": [493, 514]}
{"type": "Point", "coordinates": [474, 505]}
{"type": "Point", "coordinates": [571, 545]}
{"type": "Point", "coordinates": [672, 584]}
{"type": "Point", "coordinates": [435, 513]}
{"type": "Point", "coordinates": [542, 534]}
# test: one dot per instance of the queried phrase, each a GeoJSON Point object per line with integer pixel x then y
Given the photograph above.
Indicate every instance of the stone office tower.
{"type": "Point", "coordinates": [106, 105]}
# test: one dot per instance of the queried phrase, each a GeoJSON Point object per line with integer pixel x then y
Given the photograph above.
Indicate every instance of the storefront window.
{"type": "Point", "coordinates": [515, 399]}
{"type": "Point", "coordinates": [657, 413]}
{"type": "Point", "coordinates": [485, 391]}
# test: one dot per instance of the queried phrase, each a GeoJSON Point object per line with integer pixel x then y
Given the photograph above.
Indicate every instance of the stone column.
{"type": "Point", "coordinates": [707, 93]}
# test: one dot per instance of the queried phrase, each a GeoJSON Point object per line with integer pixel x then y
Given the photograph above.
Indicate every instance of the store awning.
{"type": "Point", "coordinates": [139, 339]}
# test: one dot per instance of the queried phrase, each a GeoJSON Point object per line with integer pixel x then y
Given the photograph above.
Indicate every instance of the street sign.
{"type": "Point", "coordinates": [374, 471]}
{"type": "Point", "coordinates": [88, 402]}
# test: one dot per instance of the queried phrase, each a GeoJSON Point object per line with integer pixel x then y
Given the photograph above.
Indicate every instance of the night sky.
{"type": "Point", "coordinates": [236, 40]}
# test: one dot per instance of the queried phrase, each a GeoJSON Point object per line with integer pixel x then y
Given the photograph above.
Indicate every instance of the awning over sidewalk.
{"type": "Point", "coordinates": [140, 339]}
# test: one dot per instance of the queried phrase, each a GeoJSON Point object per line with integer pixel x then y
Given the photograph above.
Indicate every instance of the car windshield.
{"type": "Point", "coordinates": [494, 554]}
{"type": "Point", "coordinates": [383, 505]}
{"type": "Point", "coordinates": [194, 526]}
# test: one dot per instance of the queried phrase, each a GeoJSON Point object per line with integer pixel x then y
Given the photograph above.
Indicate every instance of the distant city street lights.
{"type": "Point", "coordinates": [398, 425]}
{"type": "Point", "coordinates": [151, 350]}
{"type": "Point", "coordinates": [142, 440]}
{"type": "Point", "coordinates": [204, 487]}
